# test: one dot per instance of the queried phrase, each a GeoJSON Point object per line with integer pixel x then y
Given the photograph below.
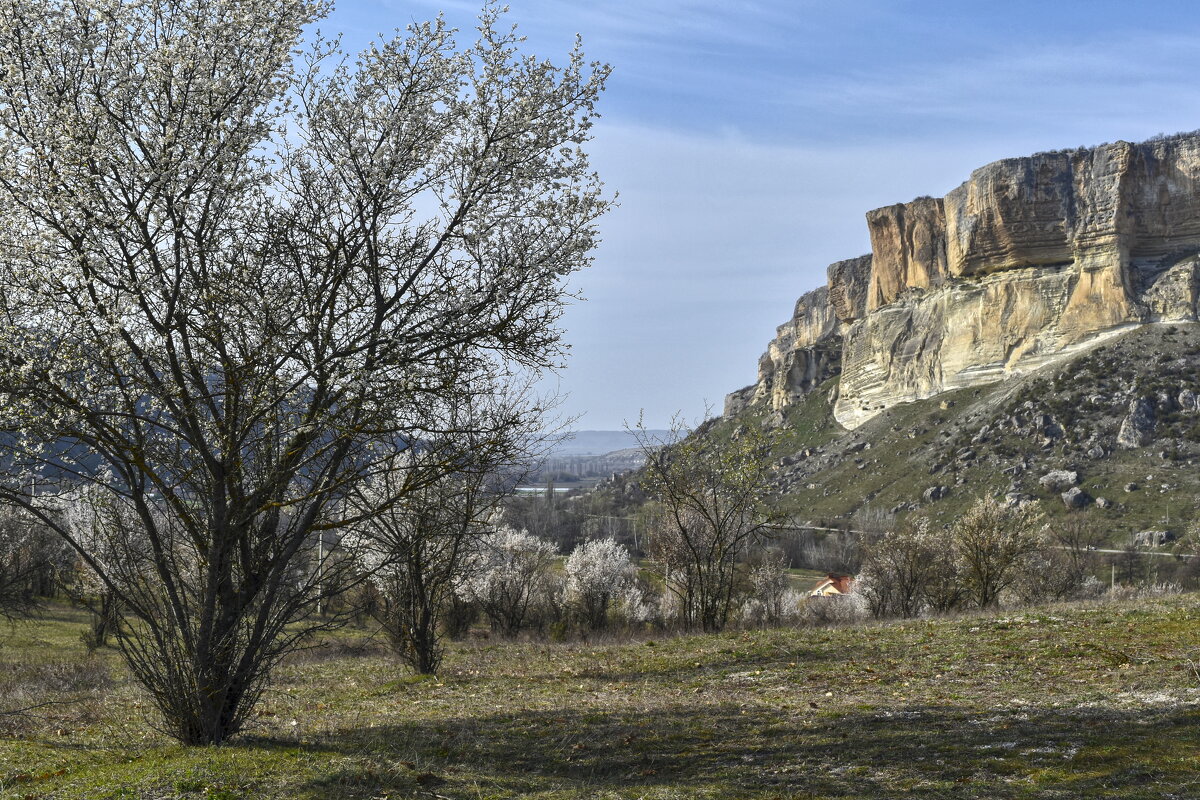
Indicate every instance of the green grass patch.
{"type": "Point", "coordinates": [1066, 701]}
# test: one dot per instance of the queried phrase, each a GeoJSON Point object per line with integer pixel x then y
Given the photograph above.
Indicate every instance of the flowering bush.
{"type": "Point", "coordinates": [510, 578]}
{"type": "Point", "coordinates": [598, 572]}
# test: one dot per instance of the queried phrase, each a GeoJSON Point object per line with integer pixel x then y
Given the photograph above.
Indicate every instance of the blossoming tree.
{"type": "Point", "coordinates": [234, 281]}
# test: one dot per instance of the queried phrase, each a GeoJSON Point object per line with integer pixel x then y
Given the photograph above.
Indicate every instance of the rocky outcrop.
{"type": "Point", "coordinates": [806, 351]}
{"type": "Point", "coordinates": [848, 282]}
{"type": "Point", "coordinates": [1137, 429]}
{"type": "Point", "coordinates": [1059, 480]}
{"type": "Point", "coordinates": [1026, 263]}
{"type": "Point", "coordinates": [908, 247]}
{"type": "Point", "coordinates": [1043, 256]}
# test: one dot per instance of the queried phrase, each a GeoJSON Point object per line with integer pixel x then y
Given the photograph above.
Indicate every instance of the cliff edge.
{"type": "Point", "coordinates": [1027, 262]}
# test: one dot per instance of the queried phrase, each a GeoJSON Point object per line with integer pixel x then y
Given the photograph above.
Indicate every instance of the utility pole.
{"type": "Point", "coordinates": [320, 570]}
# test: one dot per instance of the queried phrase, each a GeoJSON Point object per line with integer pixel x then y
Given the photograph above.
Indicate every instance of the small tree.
{"type": "Point", "coordinates": [771, 597]}
{"type": "Point", "coordinates": [417, 549]}
{"type": "Point", "coordinates": [992, 541]}
{"type": "Point", "coordinates": [29, 559]}
{"type": "Point", "coordinates": [901, 568]}
{"type": "Point", "coordinates": [1061, 568]}
{"type": "Point", "coordinates": [598, 572]}
{"type": "Point", "coordinates": [713, 501]}
{"type": "Point", "coordinates": [509, 577]}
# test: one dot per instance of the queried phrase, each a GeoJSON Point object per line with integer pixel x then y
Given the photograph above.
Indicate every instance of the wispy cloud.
{"type": "Point", "coordinates": [749, 137]}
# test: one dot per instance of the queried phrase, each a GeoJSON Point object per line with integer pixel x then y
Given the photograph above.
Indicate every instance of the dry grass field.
{"type": "Point", "coordinates": [1097, 700]}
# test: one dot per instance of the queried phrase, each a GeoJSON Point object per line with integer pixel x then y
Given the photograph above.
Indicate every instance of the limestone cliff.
{"type": "Point", "coordinates": [1028, 261]}
{"type": "Point", "coordinates": [805, 352]}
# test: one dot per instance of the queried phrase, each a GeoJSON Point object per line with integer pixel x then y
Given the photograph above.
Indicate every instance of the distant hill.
{"type": "Point", "coordinates": [597, 443]}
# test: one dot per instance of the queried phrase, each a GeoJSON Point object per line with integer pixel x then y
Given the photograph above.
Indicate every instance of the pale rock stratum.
{"type": "Point", "coordinates": [1029, 261]}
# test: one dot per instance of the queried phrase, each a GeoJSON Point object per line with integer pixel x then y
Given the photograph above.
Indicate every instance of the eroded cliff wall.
{"type": "Point", "coordinates": [806, 351]}
{"type": "Point", "coordinates": [1043, 256]}
{"type": "Point", "coordinates": [1027, 262]}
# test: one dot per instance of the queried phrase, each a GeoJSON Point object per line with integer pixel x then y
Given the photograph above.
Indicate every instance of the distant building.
{"type": "Point", "coordinates": [833, 585]}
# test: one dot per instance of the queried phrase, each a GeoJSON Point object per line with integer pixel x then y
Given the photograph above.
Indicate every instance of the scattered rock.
{"type": "Point", "coordinates": [1137, 429]}
{"type": "Point", "coordinates": [1103, 502]}
{"type": "Point", "coordinates": [1018, 499]}
{"type": "Point", "coordinates": [1076, 497]}
{"type": "Point", "coordinates": [1187, 401]}
{"type": "Point", "coordinates": [1096, 453]}
{"type": "Point", "coordinates": [1058, 480]}
{"type": "Point", "coordinates": [1131, 487]}
{"type": "Point", "coordinates": [935, 493]}
{"type": "Point", "coordinates": [1152, 538]}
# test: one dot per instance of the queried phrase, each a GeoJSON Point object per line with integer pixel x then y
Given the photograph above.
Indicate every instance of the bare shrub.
{"type": "Point", "coordinates": [712, 498]}
{"type": "Point", "coordinates": [1069, 558]}
{"type": "Point", "coordinates": [906, 570]}
{"type": "Point", "coordinates": [31, 559]}
{"type": "Point", "coordinates": [769, 596]}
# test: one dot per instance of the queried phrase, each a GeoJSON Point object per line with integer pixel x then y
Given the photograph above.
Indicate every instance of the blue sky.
{"type": "Point", "coordinates": [748, 139]}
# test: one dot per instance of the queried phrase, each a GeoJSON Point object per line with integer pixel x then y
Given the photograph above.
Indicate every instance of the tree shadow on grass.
{"type": "Point", "coordinates": [726, 751]}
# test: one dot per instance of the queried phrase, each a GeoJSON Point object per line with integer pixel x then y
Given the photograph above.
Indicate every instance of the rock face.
{"type": "Point", "coordinates": [1029, 261]}
{"type": "Point", "coordinates": [806, 351]}
{"type": "Point", "coordinates": [1137, 429]}
{"type": "Point", "coordinates": [1058, 480]}
{"type": "Point", "coordinates": [908, 245]}
{"type": "Point", "coordinates": [848, 282]}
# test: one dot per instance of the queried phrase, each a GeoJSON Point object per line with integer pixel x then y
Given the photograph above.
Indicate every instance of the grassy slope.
{"type": "Point", "coordinates": [908, 439]}
{"type": "Point", "coordinates": [1088, 701]}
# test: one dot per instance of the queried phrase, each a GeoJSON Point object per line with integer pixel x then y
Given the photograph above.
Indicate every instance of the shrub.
{"type": "Point", "coordinates": [834, 610]}
{"type": "Point", "coordinates": [908, 570]}
{"type": "Point", "coordinates": [510, 579]}
{"type": "Point", "coordinates": [597, 572]}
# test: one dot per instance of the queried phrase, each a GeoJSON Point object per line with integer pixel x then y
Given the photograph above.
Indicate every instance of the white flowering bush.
{"type": "Point", "coordinates": [909, 569]}
{"type": "Point", "coordinates": [834, 610]}
{"type": "Point", "coordinates": [599, 572]}
{"type": "Point", "coordinates": [511, 578]}
{"type": "Point", "coordinates": [637, 604]}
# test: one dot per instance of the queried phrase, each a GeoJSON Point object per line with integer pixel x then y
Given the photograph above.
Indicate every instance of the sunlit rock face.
{"type": "Point", "coordinates": [848, 284]}
{"type": "Point", "coordinates": [805, 352]}
{"type": "Point", "coordinates": [908, 248]}
{"type": "Point", "coordinates": [1029, 261]}
{"type": "Point", "coordinates": [1043, 256]}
